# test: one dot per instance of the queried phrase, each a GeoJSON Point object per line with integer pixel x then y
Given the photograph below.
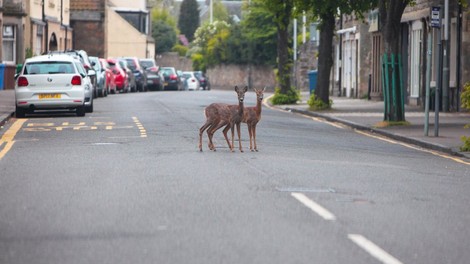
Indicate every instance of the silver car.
{"type": "Point", "coordinates": [52, 82]}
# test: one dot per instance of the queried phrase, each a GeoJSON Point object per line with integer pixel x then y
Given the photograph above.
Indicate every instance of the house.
{"type": "Point", "coordinates": [360, 47]}
{"type": "Point", "coordinates": [112, 28]}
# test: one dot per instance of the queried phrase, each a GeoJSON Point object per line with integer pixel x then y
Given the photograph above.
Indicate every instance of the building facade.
{"type": "Point", "coordinates": [112, 28]}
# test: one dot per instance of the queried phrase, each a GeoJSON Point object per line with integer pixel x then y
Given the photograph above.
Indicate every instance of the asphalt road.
{"type": "Point", "coordinates": [127, 184]}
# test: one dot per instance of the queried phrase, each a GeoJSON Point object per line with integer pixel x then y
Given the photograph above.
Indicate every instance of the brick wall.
{"type": "Point", "coordinates": [89, 36]}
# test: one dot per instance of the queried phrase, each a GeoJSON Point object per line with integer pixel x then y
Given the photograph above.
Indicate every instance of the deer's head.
{"type": "Point", "coordinates": [241, 93]}
{"type": "Point", "coordinates": [259, 93]}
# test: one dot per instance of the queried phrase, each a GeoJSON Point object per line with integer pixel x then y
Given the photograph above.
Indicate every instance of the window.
{"type": "Point", "coordinates": [38, 46]}
{"type": "Point", "coordinates": [9, 44]}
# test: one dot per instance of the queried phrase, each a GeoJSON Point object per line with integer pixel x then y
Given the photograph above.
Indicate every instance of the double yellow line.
{"type": "Point", "coordinates": [7, 141]}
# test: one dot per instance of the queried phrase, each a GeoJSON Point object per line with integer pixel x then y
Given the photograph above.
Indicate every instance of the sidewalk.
{"type": "Point", "coordinates": [360, 114]}
{"type": "Point", "coordinates": [7, 105]}
{"type": "Point", "coordinates": [365, 115]}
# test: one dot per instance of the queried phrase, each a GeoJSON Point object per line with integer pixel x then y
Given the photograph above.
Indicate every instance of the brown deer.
{"type": "Point", "coordinates": [252, 115]}
{"type": "Point", "coordinates": [236, 117]}
{"type": "Point", "coordinates": [220, 114]}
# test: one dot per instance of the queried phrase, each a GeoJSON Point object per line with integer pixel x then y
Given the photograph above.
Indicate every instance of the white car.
{"type": "Point", "coordinates": [51, 82]}
{"type": "Point", "coordinates": [190, 81]}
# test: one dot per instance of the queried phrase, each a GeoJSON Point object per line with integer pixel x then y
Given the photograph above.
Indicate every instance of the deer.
{"type": "Point", "coordinates": [221, 114]}
{"type": "Point", "coordinates": [252, 115]}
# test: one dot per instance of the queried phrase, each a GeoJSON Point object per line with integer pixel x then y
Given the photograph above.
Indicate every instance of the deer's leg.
{"type": "Point", "coordinates": [254, 137]}
{"type": "Point", "coordinates": [201, 131]}
{"type": "Point", "coordinates": [226, 137]}
{"type": "Point", "coordinates": [251, 135]}
{"type": "Point", "coordinates": [210, 132]}
{"type": "Point", "coordinates": [239, 137]}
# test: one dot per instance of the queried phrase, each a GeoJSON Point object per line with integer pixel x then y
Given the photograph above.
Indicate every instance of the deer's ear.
{"type": "Point", "coordinates": [264, 89]}
{"type": "Point", "coordinates": [245, 89]}
{"type": "Point", "coordinates": [236, 88]}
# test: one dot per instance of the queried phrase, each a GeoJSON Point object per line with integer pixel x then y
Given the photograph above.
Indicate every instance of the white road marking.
{"type": "Point", "coordinates": [373, 249]}
{"type": "Point", "coordinates": [320, 210]}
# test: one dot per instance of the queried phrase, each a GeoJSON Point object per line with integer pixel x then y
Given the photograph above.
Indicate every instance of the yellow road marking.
{"type": "Point", "coordinates": [143, 132]}
{"type": "Point", "coordinates": [9, 136]}
{"type": "Point", "coordinates": [435, 153]}
{"type": "Point", "coordinates": [338, 125]}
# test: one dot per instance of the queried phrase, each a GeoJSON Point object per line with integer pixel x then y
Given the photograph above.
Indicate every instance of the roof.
{"type": "Point", "coordinates": [90, 5]}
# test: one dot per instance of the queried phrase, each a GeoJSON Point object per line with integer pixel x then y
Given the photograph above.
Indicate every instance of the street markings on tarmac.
{"type": "Point", "coordinates": [7, 141]}
{"type": "Point", "coordinates": [359, 240]}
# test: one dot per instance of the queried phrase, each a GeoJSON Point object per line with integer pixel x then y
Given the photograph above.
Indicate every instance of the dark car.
{"type": "Point", "coordinates": [154, 74]}
{"type": "Point", "coordinates": [139, 73]}
{"type": "Point", "coordinates": [203, 80]}
{"type": "Point", "coordinates": [172, 79]}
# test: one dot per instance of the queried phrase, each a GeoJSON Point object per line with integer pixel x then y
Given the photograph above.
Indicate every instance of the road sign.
{"type": "Point", "coordinates": [435, 17]}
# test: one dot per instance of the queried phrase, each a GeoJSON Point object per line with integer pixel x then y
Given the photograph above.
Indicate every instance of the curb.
{"type": "Point", "coordinates": [5, 117]}
{"type": "Point", "coordinates": [404, 139]}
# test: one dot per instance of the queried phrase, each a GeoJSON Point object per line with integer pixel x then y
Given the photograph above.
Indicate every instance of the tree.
{"type": "Point", "coordinates": [390, 18]}
{"type": "Point", "coordinates": [188, 20]}
{"type": "Point", "coordinates": [164, 35]}
{"type": "Point", "coordinates": [282, 14]}
{"type": "Point", "coordinates": [326, 11]}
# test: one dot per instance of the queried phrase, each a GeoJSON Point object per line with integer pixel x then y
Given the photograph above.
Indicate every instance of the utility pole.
{"type": "Point", "coordinates": [211, 10]}
{"type": "Point", "coordinates": [445, 59]}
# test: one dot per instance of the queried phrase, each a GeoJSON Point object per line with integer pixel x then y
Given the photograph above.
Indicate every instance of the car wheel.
{"type": "Point", "coordinates": [20, 112]}
{"type": "Point", "coordinates": [81, 111]}
{"type": "Point", "coordinates": [89, 109]}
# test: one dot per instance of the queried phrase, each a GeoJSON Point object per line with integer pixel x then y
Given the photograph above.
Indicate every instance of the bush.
{"type": "Point", "coordinates": [198, 62]}
{"type": "Point", "coordinates": [291, 97]}
{"type": "Point", "coordinates": [465, 103]}
{"type": "Point", "coordinates": [182, 50]}
{"type": "Point", "coordinates": [317, 104]}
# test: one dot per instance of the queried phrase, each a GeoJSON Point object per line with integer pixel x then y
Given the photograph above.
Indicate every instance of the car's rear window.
{"type": "Point", "coordinates": [49, 67]}
{"type": "Point", "coordinates": [146, 64]}
{"type": "Point", "coordinates": [131, 64]}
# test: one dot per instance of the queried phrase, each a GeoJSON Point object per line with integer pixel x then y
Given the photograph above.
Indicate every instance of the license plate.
{"type": "Point", "coordinates": [49, 96]}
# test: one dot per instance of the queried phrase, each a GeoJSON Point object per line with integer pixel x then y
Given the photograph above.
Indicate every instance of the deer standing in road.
{"type": "Point", "coordinates": [219, 115]}
{"type": "Point", "coordinates": [252, 115]}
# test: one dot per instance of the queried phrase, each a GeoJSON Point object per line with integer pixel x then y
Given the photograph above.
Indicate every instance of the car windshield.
{"type": "Point", "coordinates": [147, 63]}
{"type": "Point", "coordinates": [131, 64]}
{"type": "Point", "coordinates": [168, 71]}
{"type": "Point", "coordinates": [49, 67]}
{"type": "Point", "coordinates": [97, 65]}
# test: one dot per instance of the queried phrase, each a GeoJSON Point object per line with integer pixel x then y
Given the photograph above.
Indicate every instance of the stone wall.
{"type": "Point", "coordinates": [224, 76]}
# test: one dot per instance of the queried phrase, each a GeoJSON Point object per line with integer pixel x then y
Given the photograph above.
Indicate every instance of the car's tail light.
{"type": "Point", "coordinates": [154, 69]}
{"type": "Point", "coordinates": [173, 77]}
{"type": "Point", "coordinates": [76, 80]}
{"type": "Point", "coordinates": [22, 81]}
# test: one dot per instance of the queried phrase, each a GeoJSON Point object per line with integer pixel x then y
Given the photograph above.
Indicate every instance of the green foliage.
{"type": "Point", "coordinates": [291, 97]}
{"type": "Point", "coordinates": [198, 62]}
{"type": "Point", "coordinates": [165, 36]}
{"type": "Point", "coordinates": [29, 53]}
{"type": "Point", "coordinates": [465, 103]}
{"type": "Point", "coordinates": [465, 96]}
{"type": "Point", "coordinates": [317, 104]}
{"type": "Point", "coordinates": [188, 20]}
{"type": "Point", "coordinates": [182, 50]}
{"type": "Point", "coordinates": [160, 14]}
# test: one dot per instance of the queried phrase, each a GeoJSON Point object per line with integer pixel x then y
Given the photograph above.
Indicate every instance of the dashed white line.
{"type": "Point", "coordinates": [373, 249]}
{"type": "Point", "coordinates": [320, 210]}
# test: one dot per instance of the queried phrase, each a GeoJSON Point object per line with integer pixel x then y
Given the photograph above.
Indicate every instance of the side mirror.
{"type": "Point", "coordinates": [16, 75]}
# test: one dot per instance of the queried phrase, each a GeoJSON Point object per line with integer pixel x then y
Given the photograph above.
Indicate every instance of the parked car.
{"type": "Point", "coordinates": [191, 83]}
{"type": "Point", "coordinates": [83, 56]}
{"type": "Point", "coordinates": [110, 78]}
{"type": "Point", "coordinates": [139, 73]}
{"type": "Point", "coordinates": [172, 79]}
{"type": "Point", "coordinates": [101, 89]}
{"type": "Point", "coordinates": [120, 76]}
{"type": "Point", "coordinates": [154, 74]}
{"type": "Point", "coordinates": [51, 82]}
{"type": "Point", "coordinates": [203, 80]}
{"type": "Point", "coordinates": [130, 74]}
